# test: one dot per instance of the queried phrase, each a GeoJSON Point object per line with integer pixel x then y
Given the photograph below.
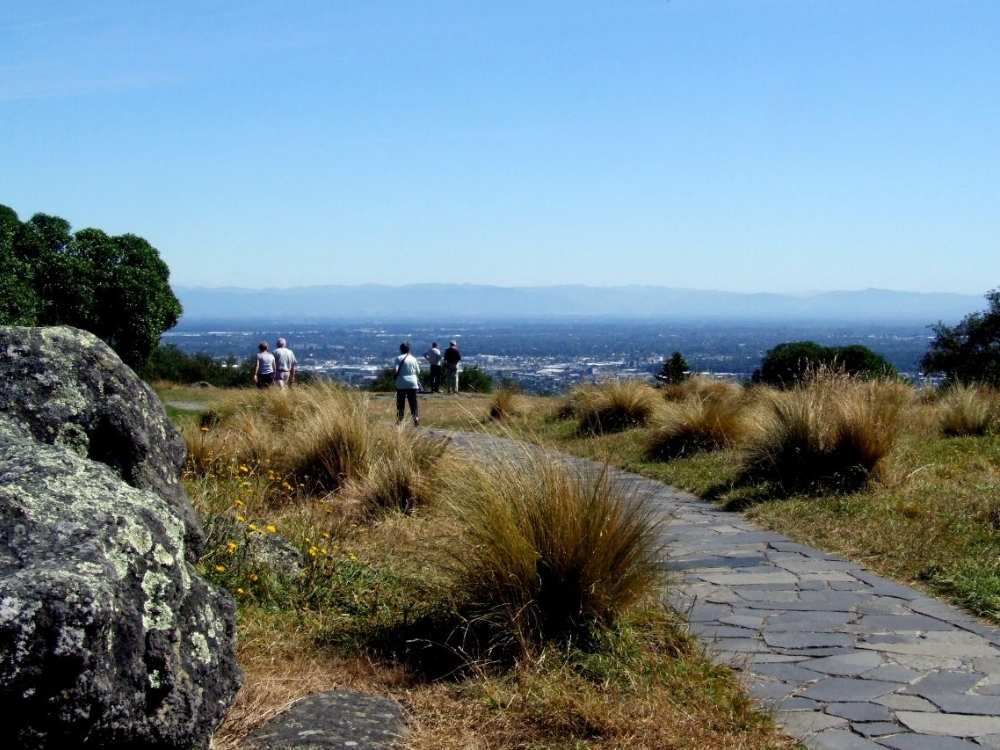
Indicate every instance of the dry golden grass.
{"type": "Point", "coordinates": [832, 432]}
{"type": "Point", "coordinates": [704, 387]}
{"type": "Point", "coordinates": [548, 553]}
{"type": "Point", "coordinates": [968, 410]}
{"type": "Point", "coordinates": [504, 405]}
{"type": "Point", "coordinates": [612, 405]}
{"type": "Point", "coordinates": [699, 423]}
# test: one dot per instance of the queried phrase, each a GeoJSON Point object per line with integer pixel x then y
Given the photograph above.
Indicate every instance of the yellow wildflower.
{"type": "Point", "coordinates": [253, 576]}
{"type": "Point", "coordinates": [240, 591]}
{"type": "Point", "coordinates": [220, 568]}
{"type": "Point", "coordinates": [241, 519]}
{"type": "Point", "coordinates": [252, 527]}
{"type": "Point", "coordinates": [271, 528]}
{"type": "Point", "coordinates": [204, 429]}
{"type": "Point", "coordinates": [231, 546]}
{"type": "Point", "coordinates": [244, 468]}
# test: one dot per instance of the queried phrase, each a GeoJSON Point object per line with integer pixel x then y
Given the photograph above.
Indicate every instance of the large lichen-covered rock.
{"type": "Point", "coordinates": [108, 637]}
{"type": "Point", "coordinates": [65, 386]}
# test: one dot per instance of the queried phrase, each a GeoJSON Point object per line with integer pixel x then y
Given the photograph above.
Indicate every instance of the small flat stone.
{"type": "Point", "coordinates": [876, 728]}
{"type": "Point", "coordinates": [945, 682]}
{"type": "Point", "coordinates": [807, 640]}
{"type": "Point", "coordinates": [892, 673]}
{"type": "Point", "coordinates": [892, 623]}
{"type": "Point", "coordinates": [798, 704]}
{"type": "Point", "coordinates": [950, 725]}
{"type": "Point", "coordinates": [981, 705]}
{"type": "Point", "coordinates": [923, 742]}
{"type": "Point", "coordinates": [848, 664]}
{"type": "Point", "coordinates": [907, 703]}
{"type": "Point", "coordinates": [337, 719]}
{"type": "Point", "coordinates": [859, 711]}
{"type": "Point", "coordinates": [804, 723]}
{"type": "Point", "coordinates": [744, 579]}
{"type": "Point", "coordinates": [844, 689]}
{"type": "Point", "coordinates": [787, 672]}
{"type": "Point", "coordinates": [838, 739]}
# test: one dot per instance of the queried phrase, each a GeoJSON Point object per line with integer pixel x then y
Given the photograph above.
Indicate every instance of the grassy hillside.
{"type": "Point", "coordinates": [418, 581]}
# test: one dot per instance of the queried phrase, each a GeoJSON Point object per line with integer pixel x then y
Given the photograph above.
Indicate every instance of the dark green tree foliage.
{"type": "Point", "coordinates": [474, 379]}
{"type": "Point", "coordinates": [789, 363]}
{"type": "Point", "coordinates": [167, 362]}
{"type": "Point", "coordinates": [674, 370]}
{"type": "Point", "coordinates": [970, 351]}
{"type": "Point", "coordinates": [116, 287]}
{"type": "Point", "coordinates": [385, 381]}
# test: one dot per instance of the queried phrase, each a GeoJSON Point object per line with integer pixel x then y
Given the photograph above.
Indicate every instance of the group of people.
{"type": "Point", "coordinates": [443, 366]}
{"type": "Point", "coordinates": [277, 368]}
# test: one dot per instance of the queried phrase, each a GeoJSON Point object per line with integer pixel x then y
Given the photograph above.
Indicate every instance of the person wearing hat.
{"type": "Point", "coordinates": [452, 356]}
{"type": "Point", "coordinates": [285, 364]}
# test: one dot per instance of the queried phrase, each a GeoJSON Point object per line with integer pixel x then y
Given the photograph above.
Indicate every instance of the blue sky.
{"type": "Point", "coordinates": [782, 145]}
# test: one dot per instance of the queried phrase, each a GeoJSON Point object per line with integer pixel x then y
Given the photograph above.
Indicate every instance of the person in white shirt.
{"type": "Point", "coordinates": [407, 384]}
{"type": "Point", "coordinates": [263, 371]}
{"type": "Point", "coordinates": [433, 357]}
{"type": "Point", "coordinates": [285, 365]}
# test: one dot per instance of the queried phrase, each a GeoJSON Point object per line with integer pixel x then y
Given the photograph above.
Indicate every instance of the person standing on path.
{"type": "Point", "coordinates": [434, 356]}
{"type": "Point", "coordinates": [407, 384]}
{"type": "Point", "coordinates": [286, 365]}
{"type": "Point", "coordinates": [263, 370]}
{"type": "Point", "coordinates": [452, 356]}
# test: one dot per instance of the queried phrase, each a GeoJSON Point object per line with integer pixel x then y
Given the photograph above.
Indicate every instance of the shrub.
{"type": "Point", "coordinates": [400, 476]}
{"type": "Point", "coordinates": [789, 364]}
{"type": "Point", "coordinates": [504, 405]}
{"type": "Point", "coordinates": [474, 379]}
{"type": "Point", "coordinates": [550, 554]}
{"type": "Point", "coordinates": [970, 351]}
{"type": "Point", "coordinates": [833, 432]}
{"type": "Point", "coordinates": [701, 423]}
{"type": "Point", "coordinates": [167, 362]}
{"type": "Point", "coordinates": [968, 410]}
{"type": "Point", "coordinates": [613, 405]}
{"type": "Point", "coordinates": [674, 369]}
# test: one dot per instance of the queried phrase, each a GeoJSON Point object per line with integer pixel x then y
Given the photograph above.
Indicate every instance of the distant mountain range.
{"type": "Point", "coordinates": [469, 302]}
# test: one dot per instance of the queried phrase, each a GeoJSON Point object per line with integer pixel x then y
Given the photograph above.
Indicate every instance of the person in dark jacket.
{"type": "Point", "coordinates": [452, 356]}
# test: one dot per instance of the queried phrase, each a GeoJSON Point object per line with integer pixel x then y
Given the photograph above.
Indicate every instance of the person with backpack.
{"type": "Point", "coordinates": [407, 384]}
{"type": "Point", "coordinates": [452, 356]}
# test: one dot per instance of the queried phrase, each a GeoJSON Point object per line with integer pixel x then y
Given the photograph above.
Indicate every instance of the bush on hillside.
{"type": "Point", "coordinates": [549, 554]}
{"type": "Point", "coordinates": [474, 379]}
{"type": "Point", "coordinates": [968, 410]}
{"type": "Point", "coordinates": [833, 433]}
{"type": "Point", "coordinates": [674, 369]}
{"type": "Point", "coordinates": [385, 381]}
{"type": "Point", "coordinates": [116, 287]}
{"type": "Point", "coordinates": [791, 363]}
{"type": "Point", "coordinates": [167, 362]}
{"type": "Point", "coordinates": [970, 351]}
{"type": "Point", "coordinates": [702, 386]}
{"type": "Point", "coordinates": [612, 405]}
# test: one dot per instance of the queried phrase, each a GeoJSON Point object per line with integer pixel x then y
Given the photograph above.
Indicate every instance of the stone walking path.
{"type": "Point", "coordinates": [846, 659]}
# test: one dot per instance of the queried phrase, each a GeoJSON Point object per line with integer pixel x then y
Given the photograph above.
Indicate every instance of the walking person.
{"type": "Point", "coordinates": [285, 365]}
{"type": "Point", "coordinates": [452, 356]}
{"type": "Point", "coordinates": [407, 384]}
{"type": "Point", "coordinates": [434, 357]}
{"type": "Point", "coordinates": [263, 370]}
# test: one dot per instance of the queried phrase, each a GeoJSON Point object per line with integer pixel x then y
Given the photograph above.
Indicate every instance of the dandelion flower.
{"type": "Point", "coordinates": [220, 568]}
{"type": "Point", "coordinates": [231, 546]}
{"type": "Point", "coordinates": [253, 576]}
{"type": "Point", "coordinates": [240, 591]}
{"type": "Point", "coordinates": [271, 528]}
{"type": "Point", "coordinates": [252, 527]}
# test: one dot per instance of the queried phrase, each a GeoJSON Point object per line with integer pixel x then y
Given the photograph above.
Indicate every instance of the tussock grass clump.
{"type": "Point", "coordinates": [702, 386]}
{"type": "Point", "coordinates": [613, 405]}
{"type": "Point", "coordinates": [968, 410]}
{"type": "Point", "coordinates": [700, 423]}
{"type": "Point", "coordinates": [549, 554]}
{"type": "Point", "coordinates": [504, 405]}
{"type": "Point", "coordinates": [834, 433]}
{"type": "Point", "coordinates": [313, 440]}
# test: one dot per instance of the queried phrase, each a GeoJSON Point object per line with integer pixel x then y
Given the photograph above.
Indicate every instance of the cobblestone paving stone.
{"type": "Point", "coordinates": [846, 659]}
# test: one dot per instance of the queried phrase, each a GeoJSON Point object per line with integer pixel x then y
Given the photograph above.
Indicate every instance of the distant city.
{"type": "Point", "coordinates": [547, 356]}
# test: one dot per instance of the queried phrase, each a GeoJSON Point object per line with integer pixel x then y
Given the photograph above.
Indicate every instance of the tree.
{"type": "Point", "coordinates": [970, 351]}
{"type": "Point", "coordinates": [474, 379]}
{"type": "Point", "coordinates": [116, 287]}
{"type": "Point", "coordinates": [789, 363]}
{"type": "Point", "coordinates": [674, 370]}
